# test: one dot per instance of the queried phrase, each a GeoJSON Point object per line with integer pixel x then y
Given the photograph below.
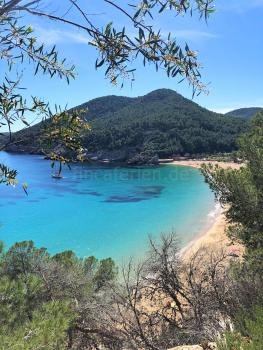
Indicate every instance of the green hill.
{"type": "Point", "coordinates": [161, 123]}
{"type": "Point", "coordinates": [246, 113]}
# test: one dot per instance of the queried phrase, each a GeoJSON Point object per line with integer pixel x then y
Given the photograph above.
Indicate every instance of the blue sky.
{"type": "Point", "coordinates": [230, 49]}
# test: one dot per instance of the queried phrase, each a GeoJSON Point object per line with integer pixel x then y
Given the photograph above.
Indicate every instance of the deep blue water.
{"type": "Point", "coordinates": [101, 210]}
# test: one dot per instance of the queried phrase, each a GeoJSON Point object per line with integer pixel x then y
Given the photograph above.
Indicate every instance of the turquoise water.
{"type": "Point", "coordinates": [101, 210]}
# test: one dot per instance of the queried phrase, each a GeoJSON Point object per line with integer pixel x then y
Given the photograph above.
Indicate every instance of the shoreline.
{"type": "Point", "coordinates": [198, 163]}
{"type": "Point", "coordinates": [213, 236]}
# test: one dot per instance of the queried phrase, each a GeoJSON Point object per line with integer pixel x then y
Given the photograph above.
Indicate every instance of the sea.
{"type": "Point", "coordinates": [102, 210]}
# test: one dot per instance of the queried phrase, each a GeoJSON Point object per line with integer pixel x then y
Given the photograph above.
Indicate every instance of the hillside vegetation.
{"type": "Point", "coordinates": [246, 113]}
{"type": "Point", "coordinates": [161, 123]}
{"type": "Point", "coordinates": [64, 302]}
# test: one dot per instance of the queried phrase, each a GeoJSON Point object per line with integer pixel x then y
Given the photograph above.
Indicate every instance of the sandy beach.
{"type": "Point", "coordinates": [197, 163]}
{"type": "Point", "coordinates": [214, 236]}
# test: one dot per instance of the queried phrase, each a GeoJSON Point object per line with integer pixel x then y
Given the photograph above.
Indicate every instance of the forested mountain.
{"type": "Point", "coordinates": [246, 113]}
{"type": "Point", "coordinates": [161, 123]}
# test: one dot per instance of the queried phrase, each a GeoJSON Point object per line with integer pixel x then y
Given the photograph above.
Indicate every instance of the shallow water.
{"type": "Point", "coordinates": [102, 210]}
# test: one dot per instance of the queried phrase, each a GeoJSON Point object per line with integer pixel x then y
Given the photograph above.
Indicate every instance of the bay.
{"type": "Point", "coordinates": [102, 210]}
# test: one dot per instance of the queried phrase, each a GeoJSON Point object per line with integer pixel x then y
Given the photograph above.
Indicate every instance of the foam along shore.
{"type": "Point", "coordinates": [214, 236]}
{"type": "Point", "coordinates": [211, 237]}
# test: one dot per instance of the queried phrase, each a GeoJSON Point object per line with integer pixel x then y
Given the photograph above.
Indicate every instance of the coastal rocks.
{"type": "Point", "coordinates": [27, 149]}
{"type": "Point", "coordinates": [128, 155]}
{"type": "Point", "coordinates": [154, 160]}
{"type": "Point", "coordinates": [120, 155]}
{"type": "Point", "coordinates": [142, 159]}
